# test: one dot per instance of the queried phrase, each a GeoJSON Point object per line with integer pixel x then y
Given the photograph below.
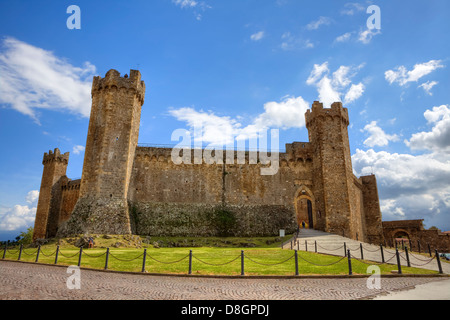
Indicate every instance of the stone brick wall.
{"type": "Point", "coordinates": [125, 188]}
{"type": "Point", "coordinates": [55, 166]}
{"type": "Point", "coordinates": [415, 231]}
{"type": "Point", "coordinates": [110, 148]}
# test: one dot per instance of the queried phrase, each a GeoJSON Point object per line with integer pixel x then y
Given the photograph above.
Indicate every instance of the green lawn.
{"type": "Point", "coordinates": [206, 261]}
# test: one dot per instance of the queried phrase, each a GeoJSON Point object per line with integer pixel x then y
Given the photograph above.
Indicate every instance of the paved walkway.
{"type": "Point", "coordinates": [38, 282]}
{"type": "Point", "coordinates": [334, 244]}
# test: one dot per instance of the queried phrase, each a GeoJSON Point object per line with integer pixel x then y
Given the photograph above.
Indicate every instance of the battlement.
{"type": "Point", "coordinates": [113, 79]}
{"type": "Point", "coordinates": [318, 111]}
{"type": "Point", "coordinates": [55, 156]}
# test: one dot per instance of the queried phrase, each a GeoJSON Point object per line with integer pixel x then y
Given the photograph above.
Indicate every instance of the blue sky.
{"type": "Point", "coordinates": [237, 66]}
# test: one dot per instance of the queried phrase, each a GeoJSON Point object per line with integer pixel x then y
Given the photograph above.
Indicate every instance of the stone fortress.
{"type": "Point", "coordinates": [128, 189]}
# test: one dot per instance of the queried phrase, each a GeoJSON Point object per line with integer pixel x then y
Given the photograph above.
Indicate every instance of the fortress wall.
{"type": "Point", "coordinates": [194, 199]}
{"type": "Point", "coordinates": [357, 210]}
{"type": "Point", "coordinates": [69, 197]}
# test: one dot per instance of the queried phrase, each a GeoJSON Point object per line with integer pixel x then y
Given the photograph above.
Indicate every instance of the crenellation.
{"type": "Point", "coordinates": [126, 188]}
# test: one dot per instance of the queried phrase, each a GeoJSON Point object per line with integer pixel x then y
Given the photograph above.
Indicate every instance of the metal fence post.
{"type": "Point", "coordinates": [298, 245]}
{"type": "Point", "coordinates": [242, 263]}
{"type": "Point", "coordinates": [107, 259]}
{"type": "Point", "coordinates": [382, 253]}
{"type": "Point", "coordinates": [79, 256]}
{"type": "Point", "coordinates": [407, 257]}
{"type": "Point", "coordinates": [20, 252]}
{"type": "Point", "coordinates": [143, 260]}
{"type": "Point", "coordinates": [418, 245]}
{"type": "Point", "coordinates": [362, 253]}
{"type": "Point", "coordinates": [399, 266]}
{"type": "Point", "coordinates": [56, 255]}
{"type": "Point", "coordinates": [429, 249]}
{"type": "Point", "coordinates": [190, 261]}
{"type": "Point", "coordinates": [345, 249]}
{"type": "Point", "coordinates": [439, 262]}
{"type": "Point", "coordinates": [306, 245]}
{"type": "Point", "coordinates": [296, 262]}
{"type": "Point", "coordinates": [349, 258]}
{"type": "Point", "coordinates": [315, 246]}
{"type": "Point", "coordinates": [37, 255]}
{"type": "Point", "coordinates": [4, 252]}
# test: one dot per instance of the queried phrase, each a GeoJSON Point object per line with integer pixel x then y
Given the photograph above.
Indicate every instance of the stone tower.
{"type": "Point", "coordinates": [55, 166]}
{"type": "Point", "coordinates": [332, 167]}
{"type": "Point", "coordinates": [112, 138]}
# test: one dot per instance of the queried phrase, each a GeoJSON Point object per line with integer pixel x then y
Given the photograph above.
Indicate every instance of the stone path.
{"type": "Point", "coordinates": [25, 281]}
{"type": "Point", "coordinates": [334, 244]}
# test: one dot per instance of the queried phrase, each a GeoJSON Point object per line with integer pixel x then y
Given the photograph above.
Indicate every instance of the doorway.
{"type": "Point", "coordinates": [305, 213]}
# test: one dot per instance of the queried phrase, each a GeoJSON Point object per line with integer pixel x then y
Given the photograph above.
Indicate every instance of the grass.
{"type": "Point", "coordinates": [264, 261]}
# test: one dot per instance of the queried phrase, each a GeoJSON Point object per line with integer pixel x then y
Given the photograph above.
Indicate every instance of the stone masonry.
{"type": "Point", "coordinates": [130, 189]}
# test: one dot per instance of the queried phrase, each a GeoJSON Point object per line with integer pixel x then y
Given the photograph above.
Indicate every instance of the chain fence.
{"type": "Point", "coordinates": [404, 256]}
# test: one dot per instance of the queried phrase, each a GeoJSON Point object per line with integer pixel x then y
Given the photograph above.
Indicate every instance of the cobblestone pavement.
{"type": "Point", "coordinates": [25, 281]}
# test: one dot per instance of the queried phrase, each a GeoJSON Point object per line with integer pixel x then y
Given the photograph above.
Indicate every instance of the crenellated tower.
{"type": "Point", "coordinates": [110, 147]}
{"type": "Point", "coordinates": [55, 166]}
{"type": "Point", "coordinates": [332, 167]}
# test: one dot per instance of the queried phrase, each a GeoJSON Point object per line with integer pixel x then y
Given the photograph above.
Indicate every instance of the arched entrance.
{"type": "Point", "coordinates": [304, 204]}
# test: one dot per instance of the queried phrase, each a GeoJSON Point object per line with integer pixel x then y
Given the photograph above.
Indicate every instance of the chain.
{"type": "Point", "coordinates": [362, 261]}
{"type": "Point", "coordinates": [220, 264]}
{"type": "Point", "coordinates": [423, 264]}
{"type": "Point", "coordinates": [321, 265]}
{"type": "Point", "coordinates": [376, 250]}
{"type": "Point", "coordinates": [126, 260]}
{"type": "Point", "coordinates": [49, 255]}
{"type": "Point", "coordinates": [168, 262]}
{"type": "Point", "coordinates": [330, 249]}
{"type": "Point", "coordinates": [94, 256]}
{"type": "Point", "coordinates": [30, 254]}
{"type": "Point", "coordinates": [14, 251]}
{"type": "Point", "coordinates": [269, 264]}
{"type": "Point", "coordinates": [69, 256]}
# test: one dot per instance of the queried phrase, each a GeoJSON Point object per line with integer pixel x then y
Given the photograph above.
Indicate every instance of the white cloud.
{"type": "Point", "coordinates": [354, 93]}
{"type": "Point", "coordinates": [331, 88]}
{"type": "Point", "coordinates": [352, 8]}
{"type": "Point", "coordinates": [367, 35]}
{"type": "Point", "coordinates": [402, 76]}
{"type": "Point", "coordinates": [221, 130]}
{"type": "Point", "coordinates": [414, 186]}
{"type": "Point", "coordinates": [196, 6]}
{"type": "Point", "coordinates": [19, 217]}
{"type": "Point", "coordinates": [438, 139]}
{"type": "Point", "coordinates": [78, 149]}
{"type": "Point", "coordinates": [377, 137]}
{"type": "Point", "coordinates": [185, 3]}
{"type": "Point", "coordinates": [427, 86]}
{"type": "Point", "coordinates": [344, 38]}
{"type": "Point", "coordinates": [257, 36]}
{"type": "Point", "coordinates": [291, 42]}
{"type": "Point", "coordinates": [32, 197]}
{"type": "Point", "coordinates": [319, 22]}
{"type": "Point", "coordinates": [32, 78]}
{"type": "Point", "coordinates": [410, 187]}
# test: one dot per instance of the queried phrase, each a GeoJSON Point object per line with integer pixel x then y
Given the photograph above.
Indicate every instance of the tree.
{"type": "Point", "coordinates": [26, 237]}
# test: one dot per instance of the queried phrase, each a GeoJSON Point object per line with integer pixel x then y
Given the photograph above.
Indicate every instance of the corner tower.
{"type": "Point", "coordinates": [332, 167]}
{"type": "Point", "coordinates": [55, 166]}
{"type": "Point", "coordinates": [110, 147]}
